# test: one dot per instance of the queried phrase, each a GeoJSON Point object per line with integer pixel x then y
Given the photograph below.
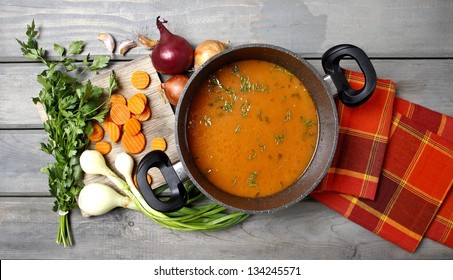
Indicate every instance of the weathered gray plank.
{"type": "Point", "coordinates": [17, 88]}
{"type": "Point", "coordinates": [307, 230]}
{"type": "Point", "coordinates": [21, 161]}
{"type": "Point", "coordinates": [427, 82]}
{"type": "Point", "coordinates": [383, 28]}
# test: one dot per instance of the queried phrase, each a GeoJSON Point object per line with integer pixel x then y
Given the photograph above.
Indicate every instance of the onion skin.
{"type": "Point", "coordinates": [173, 88]}
{"type": "Point", "coordinates": [206, 50]}
{"type": "Point", "coordinates": [173, 54]}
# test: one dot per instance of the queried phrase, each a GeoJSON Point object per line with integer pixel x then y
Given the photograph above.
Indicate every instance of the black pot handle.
{"type": "Point", "coordinates": [178, 196]}
{"type": "Point", "coordinates": [331, 64]}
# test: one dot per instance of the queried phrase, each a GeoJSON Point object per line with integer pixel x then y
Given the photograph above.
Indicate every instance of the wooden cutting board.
{"type": "Point", "coordinates": [161, 123]}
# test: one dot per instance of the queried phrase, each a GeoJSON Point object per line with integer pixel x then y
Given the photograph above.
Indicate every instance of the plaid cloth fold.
{"type": "Point", "coordinates": [441, 229]}
{"type": "Point", "coordinates": [412, 194]}
{"type": "Point", "coordinates": [362, 140]}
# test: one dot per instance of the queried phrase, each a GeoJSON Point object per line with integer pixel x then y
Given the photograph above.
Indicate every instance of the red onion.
{"type": "Point", "coordinates": [173, 88]}
{"type": "Point", "coordinates": [173, 54]}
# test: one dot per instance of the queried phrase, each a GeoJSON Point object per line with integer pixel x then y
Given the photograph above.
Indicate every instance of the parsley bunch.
{"type": "Point", "coordinates": [70, 107]}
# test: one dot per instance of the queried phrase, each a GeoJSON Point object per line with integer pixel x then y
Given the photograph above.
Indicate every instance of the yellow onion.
{"type": "Point", "coordinates": [206, 50]}
{"type": "Point", "coordinates": [173, 88]}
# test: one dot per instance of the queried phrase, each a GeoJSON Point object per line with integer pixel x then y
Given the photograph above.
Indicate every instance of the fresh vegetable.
{"type": "Point", "coordinates": [196, 216]}
{"type": "Point", "coordinates": [120, 113]}
{"type": "Point", "coordinates": [108, 41]}
{"type": "Point", "coordinates": [145, 115]}
{"type": "Point", "coordinates": [143, 97]}
{"type": "Point", "coordinates": [103, 147]}
{"type": "Point", "coordinates": [132, 126]}
{"type": "Point", "coordinates": [206, 50]}
{"type": "Point", "coordinates": [117, 98]}
{"type": "Point", "coordinates": [70, 107]}
{"type": "Point", "coordinates": [135, 104]}
{"type": "Point", "coordinates": [148, 178]}
{"type": "Point", "coordinates": [126, 45]}
{"type": "Point", "coordinates": [97, 199]}
{"type": "Point", "coordinates": [173, 88]}
{"type": "Point", "coordinates": [140, 79]}
{"type": "Point", "coordinates": [97, 134]}
{"type": "Point", "coordinates": [133, 144]}
{"type": "Point", "coordinates": [124, 163]}
{"type": "Point", "coordinates": [113, 130]}
{"type": "Point", "coordinates": [158, 143]}
{"type": "Point", "coordinates": [123, 123]}
{"type": "Point", "coordinates": [146, 42]}
{"type": "Point", "coordinates": [173, 54]}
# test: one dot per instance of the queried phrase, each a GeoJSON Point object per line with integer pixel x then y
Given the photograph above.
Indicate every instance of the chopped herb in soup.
{"type": "Point", "coordinates": [252, 128]}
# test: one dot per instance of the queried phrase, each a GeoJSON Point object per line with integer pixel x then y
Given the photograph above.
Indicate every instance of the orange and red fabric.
{"type": "Point", "coordinates": [362, 140]}
{"type": "Point", "coordinates": [393, 170]}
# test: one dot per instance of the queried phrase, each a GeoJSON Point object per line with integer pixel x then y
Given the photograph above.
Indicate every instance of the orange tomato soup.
{"type": "Point", "coordinates": [252, 128]}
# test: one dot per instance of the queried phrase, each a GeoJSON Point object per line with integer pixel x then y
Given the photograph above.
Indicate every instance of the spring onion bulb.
{"type": "Point", "coordinates": [124, 163]}
{"type": "Point", "coordinates": [97, 199]}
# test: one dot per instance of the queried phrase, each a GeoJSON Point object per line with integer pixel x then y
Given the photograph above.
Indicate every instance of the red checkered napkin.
{"type": "Point", "coordinates": [441, 228]}
{"type": "Point", "coordinates": [362, 140]}
{"type": "Point", "coordinates": [412, 192]}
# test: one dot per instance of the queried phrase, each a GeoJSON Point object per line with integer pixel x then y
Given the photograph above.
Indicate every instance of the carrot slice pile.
{"type": "Point", "coordinates": [140, 79]}
{"type": "Point", "coordinates": [124, 121]}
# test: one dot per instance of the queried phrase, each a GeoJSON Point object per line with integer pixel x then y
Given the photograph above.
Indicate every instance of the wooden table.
{"type": "Point", "coordinates": [410, 42]}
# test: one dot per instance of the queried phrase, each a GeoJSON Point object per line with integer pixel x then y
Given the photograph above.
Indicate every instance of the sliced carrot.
{"type": "Point", "coordinates": [140, 79]}
{"type": "Point", "coordinates": [119, 113]}
{"type": "Point", "coordinates": [113, 130]}
{"type": "Point", "coordinates": [103, 147]}
{"type": "Point", "coordinates": [145, 115]}
{"type": "Point", "coordinates": [117, 98]}
{"type": "Point", "coordinates": [109, 119]}
{"type": "Point", "coordinates": [142, 97]}
{"type": "Point", "coordinates": [97, 134]}
{"type": "Point", "coordinates": [135, 104]}
{"type": "Point", "coordinates": [133, 144]}
{"type": "Point", "coordinates": [132, 126]}
{"type": "Point", "coordinates": [158, 143]}
{"type": "Point", "coordinates": [148, 178]}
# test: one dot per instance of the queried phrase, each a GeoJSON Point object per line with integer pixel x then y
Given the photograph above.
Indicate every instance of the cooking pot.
{"type": "Point", "coordinates": [321, 88]}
